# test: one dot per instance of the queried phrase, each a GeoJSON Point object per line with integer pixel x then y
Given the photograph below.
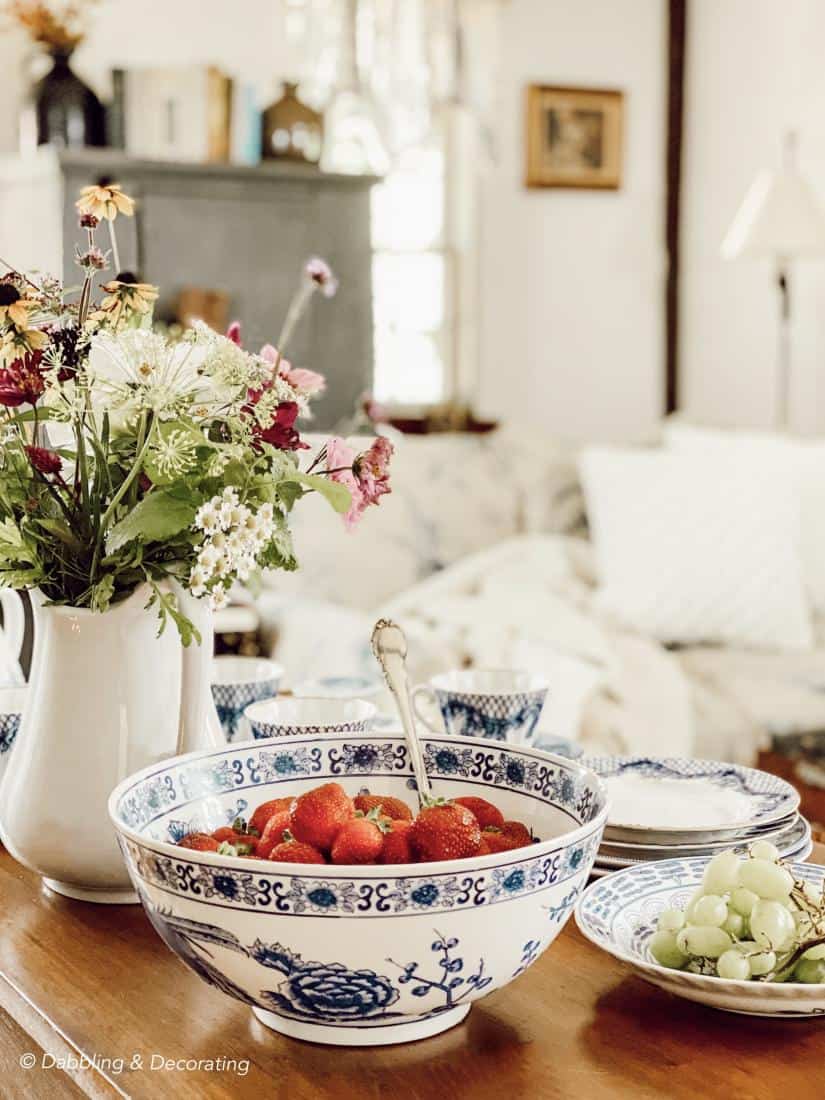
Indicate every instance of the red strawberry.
{"type": "Point", "coordinates": [265, 811]}
{"type": "Point", "coordinates": [244, 843]}
{"type": "Point", "coordinates": [517, 832]}
{"type": "Point", "coordinates": [274, 833]}
{"type": "Point", "coordinates": [397, 843]}
{"type": "Point", "coordinates": [484, 812]}
{"type": "Point", "coordinates": [493, 840]}
{"type": "Point", "coordinates": [316, 816]}
{"type": "Point", "coordinates": [359, 840]}
{"type": "Point", "coordinates": [484, 848]}
{"type": "Point", "coordinates": [444, 831]}
{"type": "Point", "coordinates": [392, 808]}
{"type": "Point", "coordinates": [199, 842]}
{"type": "Point", "coordinates": [506, 838]}
{"type": "Point", "coordinates": [292, 851]}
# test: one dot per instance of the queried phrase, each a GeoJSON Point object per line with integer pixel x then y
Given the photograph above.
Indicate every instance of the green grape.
{"type": "Point", "coordinates": [735, 924]}
{"type": "Point", "coordinates": [671, 920]}
{"type": "Point", "coordinates": [665, 950]}
{"type": "Point", "coordinates": [763, 849]}
{"type": "Point", "coordinates": [762, 962]}
{"type": "Point", "coordinates": [771, 924]}
{"type": "Point", "coordinates": [694, 898]}
{"type": "Point", "coordinates": [722, 873]}
{"type": "Point", "coordinates": [743, 900]}
{"type": "Point", "coordinates": [817, 952]}
{"type": "Point", "coordinates": [734, 965]}
{"type": "Point", "coordinates": [703, 940]}
{"type": "Point", "coordinates": [765, 879]}
{"type": "Point", "coordinates": [810, 971]}
{"type": "Point", "coordinates": [710, 911]}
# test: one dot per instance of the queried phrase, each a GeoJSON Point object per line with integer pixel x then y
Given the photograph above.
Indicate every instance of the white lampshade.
{"type": "Point", "coordinates": [779, 217]}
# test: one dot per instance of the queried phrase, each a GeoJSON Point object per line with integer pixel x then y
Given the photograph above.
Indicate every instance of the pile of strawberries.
{"type": "Point", "coordinates": [325, 825]}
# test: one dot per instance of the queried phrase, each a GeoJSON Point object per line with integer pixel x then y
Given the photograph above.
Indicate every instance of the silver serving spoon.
{"type": "Point", "coordinates": [390, 648]}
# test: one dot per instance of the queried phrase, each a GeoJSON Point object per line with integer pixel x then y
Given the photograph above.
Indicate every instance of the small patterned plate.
{"type": "Point", "coordinates": [618, 913]}
{"type": "Point", "coordinates": [650, 796]}
{"type": "Point", "coordinates": [786, 839]}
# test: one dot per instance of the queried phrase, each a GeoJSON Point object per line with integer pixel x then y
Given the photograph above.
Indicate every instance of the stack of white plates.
{"type": "Point", "coordinates": [667, 808]}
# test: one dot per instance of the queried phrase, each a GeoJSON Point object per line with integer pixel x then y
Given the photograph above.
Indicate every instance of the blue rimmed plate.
{"type": "Point", "coordinates": [657, 800]}
{"type": "Point", "coordinates": [618, 913]}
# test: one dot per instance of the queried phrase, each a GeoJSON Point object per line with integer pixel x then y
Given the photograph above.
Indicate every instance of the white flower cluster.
{"type": "Point", "coordinates": [234, 536]}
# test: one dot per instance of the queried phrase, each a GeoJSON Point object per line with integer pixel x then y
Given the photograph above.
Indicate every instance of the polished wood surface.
{"type": "Point", "coordinates": [96, 980]}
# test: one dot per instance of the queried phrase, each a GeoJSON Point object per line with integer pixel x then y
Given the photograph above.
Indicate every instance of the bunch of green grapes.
{"type": "Point", "coordinates": [749, 919]}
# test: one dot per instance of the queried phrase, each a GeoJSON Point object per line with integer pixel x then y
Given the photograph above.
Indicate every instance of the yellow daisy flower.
{"type": "Point", "coordinates": [105, 202]}
{"type": "Point", "coordinates": [124, 298]}
{"type": "Point", "coordinates": [14, 308]}
{"type": "Point", "coordinates": [16, 342]}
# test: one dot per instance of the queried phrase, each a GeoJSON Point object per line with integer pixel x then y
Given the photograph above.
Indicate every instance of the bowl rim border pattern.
{"type": "Point", "coordinates": [366, 871]}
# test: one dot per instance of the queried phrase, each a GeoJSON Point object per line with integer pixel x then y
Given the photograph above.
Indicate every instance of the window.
{"type": "Point", "coordinates": [410, 281]}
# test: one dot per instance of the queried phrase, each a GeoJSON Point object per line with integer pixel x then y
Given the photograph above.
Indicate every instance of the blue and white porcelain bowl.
{"type": "Point", "coordinates": [498, 704]}
{"type": "Point", "coordinates": [305, 717]}
{"type": "Point", "coordinates": [358, 955]}
{"type": "Point", "coordinates": [12, 701]}
{"type": "Point", "coordinates": [237, 682]}
{"type": "Point", "coordinates": [619, 913]}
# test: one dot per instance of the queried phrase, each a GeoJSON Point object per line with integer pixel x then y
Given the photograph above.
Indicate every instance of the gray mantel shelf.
{"type": "Point", "coordinates": [247, 231]}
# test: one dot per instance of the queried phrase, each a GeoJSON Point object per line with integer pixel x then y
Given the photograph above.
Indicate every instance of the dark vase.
{"type": "Point", "coordinates": [69, 114]}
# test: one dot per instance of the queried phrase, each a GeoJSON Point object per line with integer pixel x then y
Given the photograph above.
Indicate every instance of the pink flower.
{"type": "Point", "coordinates": [340, 459]}
{"type": "Point", "coordinates": [307, 382]}
{"type": "Point", "coordinates": [319, 272]}
{"type": "Point", "coordinates": [233, 333]}
{"type": "Point", "coordinates": [270, 354]}
{"type": "Point", "coordinates": [372, 470]}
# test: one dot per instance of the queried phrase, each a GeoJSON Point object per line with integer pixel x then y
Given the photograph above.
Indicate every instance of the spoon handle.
{"type": "Point", "coordinates": [390, 648]}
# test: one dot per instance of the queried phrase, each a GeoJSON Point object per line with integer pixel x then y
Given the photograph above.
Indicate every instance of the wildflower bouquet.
{"type": "Point", "coordinates": [130, 459]}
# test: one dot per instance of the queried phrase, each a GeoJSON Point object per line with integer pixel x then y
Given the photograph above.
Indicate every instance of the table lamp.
{"type": "Point", "coordinates": [780, 220]}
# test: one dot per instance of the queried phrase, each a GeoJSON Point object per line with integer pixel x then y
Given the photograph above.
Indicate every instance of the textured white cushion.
{"type": "Point", "coordinates": [802, 461]}
{"type": "Point", "coordinates": [695, 548]}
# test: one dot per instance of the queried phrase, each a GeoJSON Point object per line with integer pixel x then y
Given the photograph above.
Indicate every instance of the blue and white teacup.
{"type": "Point", "coordinates": [12, 701]}
{"type": "Point", "coordinates": [237, 682]}
{"type": "Point", "coordinates": [495, 703]}
{"type": "Point", "coordinates": [305, 716]}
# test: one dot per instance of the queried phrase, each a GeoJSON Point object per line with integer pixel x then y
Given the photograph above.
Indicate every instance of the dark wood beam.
{"type": "Point", "coordinates": [677, 20]}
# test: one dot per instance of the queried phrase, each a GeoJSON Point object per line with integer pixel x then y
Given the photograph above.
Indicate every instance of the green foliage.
{"type": "Point", "coordinates": [161, 514]}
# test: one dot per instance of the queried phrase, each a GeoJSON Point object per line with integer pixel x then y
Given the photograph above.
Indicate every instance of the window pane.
{"type": "Point", "coordinates": [408, 207]}
{"type": "Point", "coordinates": [408, 290]}
{"type": "Point", "coordinates": [409, 368]}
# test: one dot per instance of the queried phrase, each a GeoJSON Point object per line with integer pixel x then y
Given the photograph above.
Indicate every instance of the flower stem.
{"type": "Point", "coordinates": [115, 253]}
{"type": "Point", "coordinates": [132, 476]}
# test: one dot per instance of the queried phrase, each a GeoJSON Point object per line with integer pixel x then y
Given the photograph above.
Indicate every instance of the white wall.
{"type": "Point", "coordinates": [755, 69]}
{"type": "Point", "coordinates": [572, 281]}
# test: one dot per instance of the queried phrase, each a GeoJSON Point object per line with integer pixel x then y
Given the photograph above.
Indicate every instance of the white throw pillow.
{"type": "Point", "coordinates": [803, 460]}
{"type": "Point", "coordinates": [693, 548]}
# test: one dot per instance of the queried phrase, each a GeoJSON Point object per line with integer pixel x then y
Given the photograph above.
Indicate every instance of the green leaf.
{"type": "Point", "coordinates": [288, 493]}
{"type": "Point", "coordinates": [159, 516]}
{"type": "Point", "coordinates": [337, 494]}
{"type": "Point", "coordinates": [101, 595]}
{"type": "Point", "coordinates": [61, 531]}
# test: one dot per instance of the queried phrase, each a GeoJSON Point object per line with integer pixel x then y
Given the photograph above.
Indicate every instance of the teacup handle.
{"type": "Point", "coordinates": [423, 690]}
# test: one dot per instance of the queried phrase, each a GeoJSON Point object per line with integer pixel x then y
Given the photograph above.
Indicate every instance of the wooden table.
{"type": "Point", "coordinates": [96, 980]}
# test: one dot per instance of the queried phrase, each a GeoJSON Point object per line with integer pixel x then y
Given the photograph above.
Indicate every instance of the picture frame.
{"type": "Point", "coordinates": [573, 137]}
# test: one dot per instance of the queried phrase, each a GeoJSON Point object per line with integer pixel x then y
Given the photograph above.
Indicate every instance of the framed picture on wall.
{"type": "Point", "coordinates": [574, 137]}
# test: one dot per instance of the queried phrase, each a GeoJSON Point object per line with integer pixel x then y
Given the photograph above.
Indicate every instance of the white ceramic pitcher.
{"type": "Point", "coordinates": [107, 697]}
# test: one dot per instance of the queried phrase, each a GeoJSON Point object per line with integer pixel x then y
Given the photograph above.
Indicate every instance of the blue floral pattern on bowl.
{"type": "Point", "coordinates": [353, 954]}
{"type": "Point", "coordinates": [231, 700]}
